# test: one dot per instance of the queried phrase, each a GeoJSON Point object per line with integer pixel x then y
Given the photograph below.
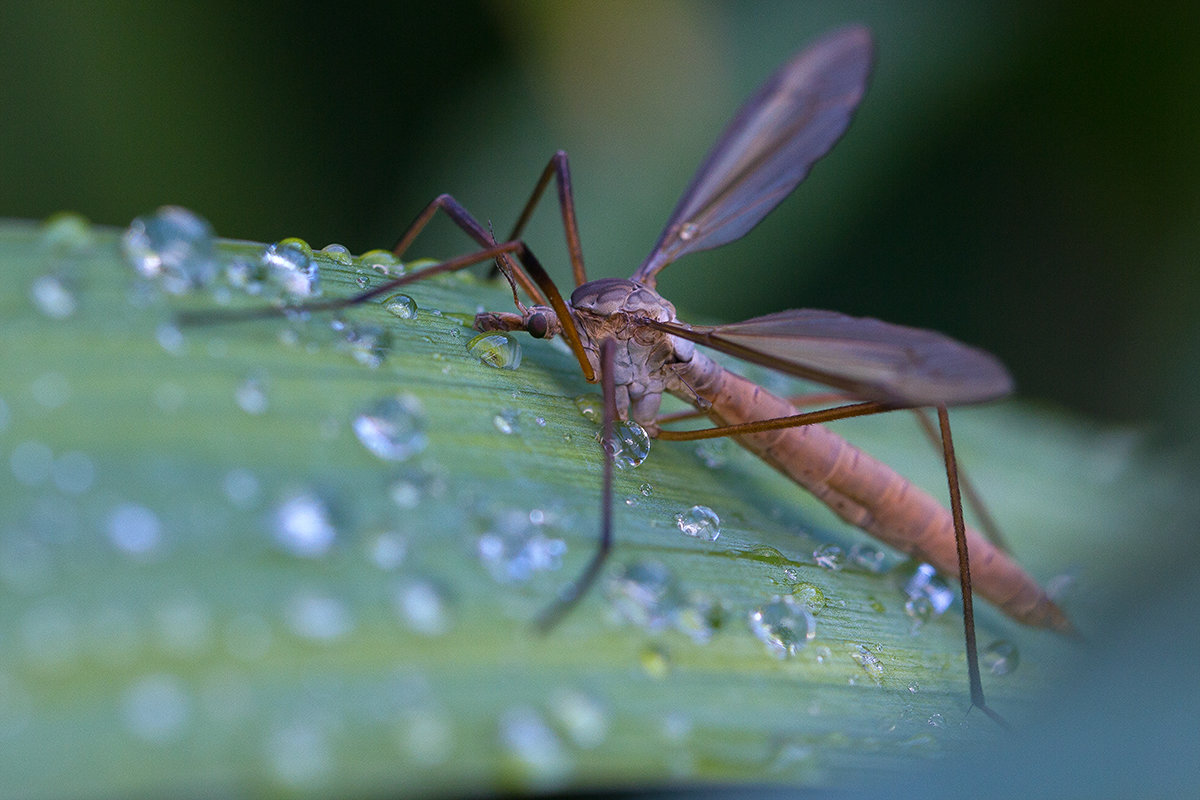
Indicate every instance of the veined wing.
{"type": "Point", "coordinates": [768, 148]}
{"type": "Point", "coordinates": [866, 357]}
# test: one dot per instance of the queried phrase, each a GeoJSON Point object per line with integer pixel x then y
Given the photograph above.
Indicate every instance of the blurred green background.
{"type": "Point", "coordinates": [1021, 175]}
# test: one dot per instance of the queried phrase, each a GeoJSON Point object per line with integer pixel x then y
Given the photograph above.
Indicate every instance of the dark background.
{"type": "Point", "coordinates": [1020, 175]}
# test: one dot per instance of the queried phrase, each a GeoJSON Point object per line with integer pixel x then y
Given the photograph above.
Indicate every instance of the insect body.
{"type": "Point", "coordinates": [625, 335]}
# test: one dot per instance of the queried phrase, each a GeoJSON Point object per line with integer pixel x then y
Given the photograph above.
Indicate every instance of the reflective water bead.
{"type": "Point", "coordinates": [1000, 657]}
{"type": "Point", "coordinates": [591, 407]}
{"type": "Point", "coordinates": [644, 593]}
{"type": "Point", "coordinates": [498, 350]}
{"type": "Point", "coordinates": [630, 444]}
{"type": "Point", "coordinates": [869, 557]}
{"type": "Point", "coordinates": [699, 521]}
{"type": "Point", "coordinates": [172, 244]}
{"type": "Point", "coordinates": [384, 262]}
{"type": "Point", "coordinates": [423, 606]}
{"type": "Point", "coordinates": [52, 297]}
{"type": "Point", "coordinates": [367, 344]}
{"type": "Point", "coordinates": [338, 254]}
{"type": "Point", "coordinates": [302, 525]}
{"type": "Point", "coordinates": [811, 596]}
{"type": "Point", "coordinates": [645, 490]}
{"type": "Point", "coordinates": [290, 264]}
{"type": "Point", "coordinates": [925, 583]}
{"type": "Point", "coordinates": [514, 548]}
{"type": "Point", "coordinates": [133, 529]}
{"type": "Point", "coordinates": [402, 306]}
{"type": "Point", "coordinates": [868, 661]}
{"type": "Point", "coordinates": [829, 556]}
{"type": "Point", "coordinates": [506, 421]}
{"type": "Point", "coordinates": [393, 428]}
{"type": "Point", "coordinates": [784, 625]}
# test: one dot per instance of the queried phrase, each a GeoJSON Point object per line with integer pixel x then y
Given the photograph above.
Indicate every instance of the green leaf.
{"type": "Point", "coordinates": [161, 633]}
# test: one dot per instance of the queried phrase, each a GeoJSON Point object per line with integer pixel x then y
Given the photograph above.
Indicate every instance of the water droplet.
{"type": "Point", "coordinates": [73, 472]}
{"type": "Point", "coordinates": [318, 617]}
{"type": "Point", "coordinates": [362, 281]}
{"type": "Point", "coordinates": [925, 584]}
{"type": "Point", "coordinates": [384, 262]}
{"type": "Point", "coordinates": [830, 556]}
{"type": "Point", "coordinates": [289, 264]}
{"type": "Point", "coordinates": [643, 593]}
{"type": "Point", "coordinates": [393, 428]}
{"type": "Point", "coordinates": [302, 525]}
{"type": "Point", "coordinates": [630, 444]}
{"type": "Point", "coordinates": [514, 548]}
{"type": "Point", "coordinates": [919, 609]}
{"type": "Point", "coordinates": [868, 661]}
{"type": "Point", "coordinates": [699, 521]}
{"type": "Point", "coordinates": [388, 550]}
{"type": "Point", "coordinates": [810, 596]}
{"type": "Point", "coordinates": [424, 607]}
{"type": "Point", "coordinates": [533, 747]}
{"type": "Point", "coordinates": [134, 530]}
{"type": "Point", "coordinates": [367, 344]}
{"type": "Point", "coordinates": [784, 625]}
{"type": "Point", "coordinates": [50, 390]}
{"type": "Point", "coordinates": [591, 407]}
{"type": "Point", "coordinates": [299, 755]}
{"type": "Point", "coordinates": [688, 231]}
{"type": "Point", "coordinates": [1000, 657]}
{"type": "Point", "coordinates": [174, 245]}
{"type": "Point", "coordinates": [498, 350]}
{"type": "Point", "coordinates": [337, 253]}
{"type": "Point", "coordinates": [31, 462]}
{"type": "Point", "coordinates": [52, 297]}
{"type": "Point", "coordinates": [646, 490]}
{"type": "Point", "coordinates": [156, 708]}
{"type": "Point", "coordinates": [402, 306]}
{"type": "Point", "coordinates": [869, 557]}
{"type": "Point", "coordinates": [65, 233]}
{"type": "Point", "coordinates": [937, 721]}
{"type": "Point", "coordinates": [506, 421]}
{"type": "Point", "coordinates": [655, 661]}
{"type": "Point", "coordinates": [582, 716]}
{"type": "Point", "coordinates": [241, 487]}
{"type": "Point", "coordinates": [251, 394]}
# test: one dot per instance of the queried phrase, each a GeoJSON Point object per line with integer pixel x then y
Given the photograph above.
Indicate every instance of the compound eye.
{"type": "Point", "coordinates": [537, 325]}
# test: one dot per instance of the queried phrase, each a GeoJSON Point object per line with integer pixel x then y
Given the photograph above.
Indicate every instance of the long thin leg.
{"type": "Point", "coordinates": [964, 568]}
{"type": "Point", "coordinates": [793, 421]}
{"type": "Point", "coordinates": [560, 168]}
{"type": "Point", "coordinates": [463, 219]}
{"type": "Point", "coordinates": [573, 592]}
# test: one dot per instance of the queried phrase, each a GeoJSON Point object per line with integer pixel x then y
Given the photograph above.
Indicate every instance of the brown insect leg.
{"type": "Point", "coordinates": [964, 569]}
{"type": "Point", "coordinates": [571, 594]}
{"type": "Point", "coordinates": [559, 167]}
{"type": "Point", "coordinates": [463, 219]}
{"type": "Point", "coordinates": [794, 421]}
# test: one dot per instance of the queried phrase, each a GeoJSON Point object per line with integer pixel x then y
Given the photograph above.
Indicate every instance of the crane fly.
{"type": "Point", "coordinates": [626, 336]}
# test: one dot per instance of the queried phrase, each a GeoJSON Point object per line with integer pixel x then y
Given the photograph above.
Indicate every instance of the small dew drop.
{"type": "Point", "coordinates": [925, 585]}
{"type": "Point", "coordinates": [289, 264]}
{"type": "Point", "coordinates": [251, 394]}
{"type": "Point", "coordinates": [134, 529]}
{"type": "Point", "coordinates": [868, 661]}
{"type": "Point", "coordinates": [1000, 657]}
{"type": "Point", "coordinates": [499, 350]}
{"type": "Point", "coordinates": [533, 747]}
{"type": "Point", "coordinates": [830, 557]}
{"type": "Point", "coordinates": [714, 453]}
{"type": "Point", "coordinates": [156, 708]}
{"type": "Point", "coordinates": [367, 344]}
{"type": "Point", "coordinates": [423, 606]}
{"type": "Point", "coordinates": [700, 522]}
{"type": "Point", "coordinates": [52, 297]}
{"type": "Point", "coordinates": [937, 721]}
{"type": "Point", "coordinates": [868, 557]}
{"type": "Point", "coordinates": [337, 253]}
{"type": "Point", "coordinates": [384, 262]}
{"type": "Point", "coordinates": [646, 490]}
{"type": "Point", "coordinates": [318, 617]}
{"type": "Point", "coordinates": [402, 306]}
{"type": "Point", "coordinates": [784, 625]}
{"type": "Point", "coordinates": [302, 525]}
{"type": "Point", "coordinates": [506, 421]}
{"type": "Point", "coordinates": [174, 245]}
{"type": "Point", "coordinates": [688, 231]}
{"type": "Point", "coordinates": [811, 597]}
{"type": "Point", "coordinates": [393, 429]}
{"type": "Point", "coordinates": [591, 407]}
{"type": "Point", "coordinates": [630, 444]}
{"type": "Point", "coordinates": [515, 548]}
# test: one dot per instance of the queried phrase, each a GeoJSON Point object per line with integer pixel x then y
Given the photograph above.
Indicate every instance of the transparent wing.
{"type": "Point", "coordinates": [866, 357]}
{"type": "Point", "coordinates": [768, 148]}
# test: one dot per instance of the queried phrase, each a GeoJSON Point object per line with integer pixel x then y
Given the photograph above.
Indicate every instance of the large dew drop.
{"type": "Point", "coordinates": [497, 350]}
{"type": "Point", "coordinates": [393, 428]}
{"type": "Point", "coordinates": [174, 245]}
{"type": "Point", "coordinates": [784, 625]}
{"type": "Point", "coordinates": [630, 444]}
{"type": "Point", "coordinates": [700, 522]}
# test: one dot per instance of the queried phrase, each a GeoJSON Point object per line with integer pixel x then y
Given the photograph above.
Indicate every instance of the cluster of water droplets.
{"type": "Point", "coordinates": [517, 545]}
{"type": "Point", "coordinates": [647, 594]}
{"type": "Point", "coordinates": [927, 594]}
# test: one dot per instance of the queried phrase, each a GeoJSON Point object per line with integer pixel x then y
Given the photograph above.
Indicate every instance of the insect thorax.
{"type": "Point", "coordinates": [609, 308]}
